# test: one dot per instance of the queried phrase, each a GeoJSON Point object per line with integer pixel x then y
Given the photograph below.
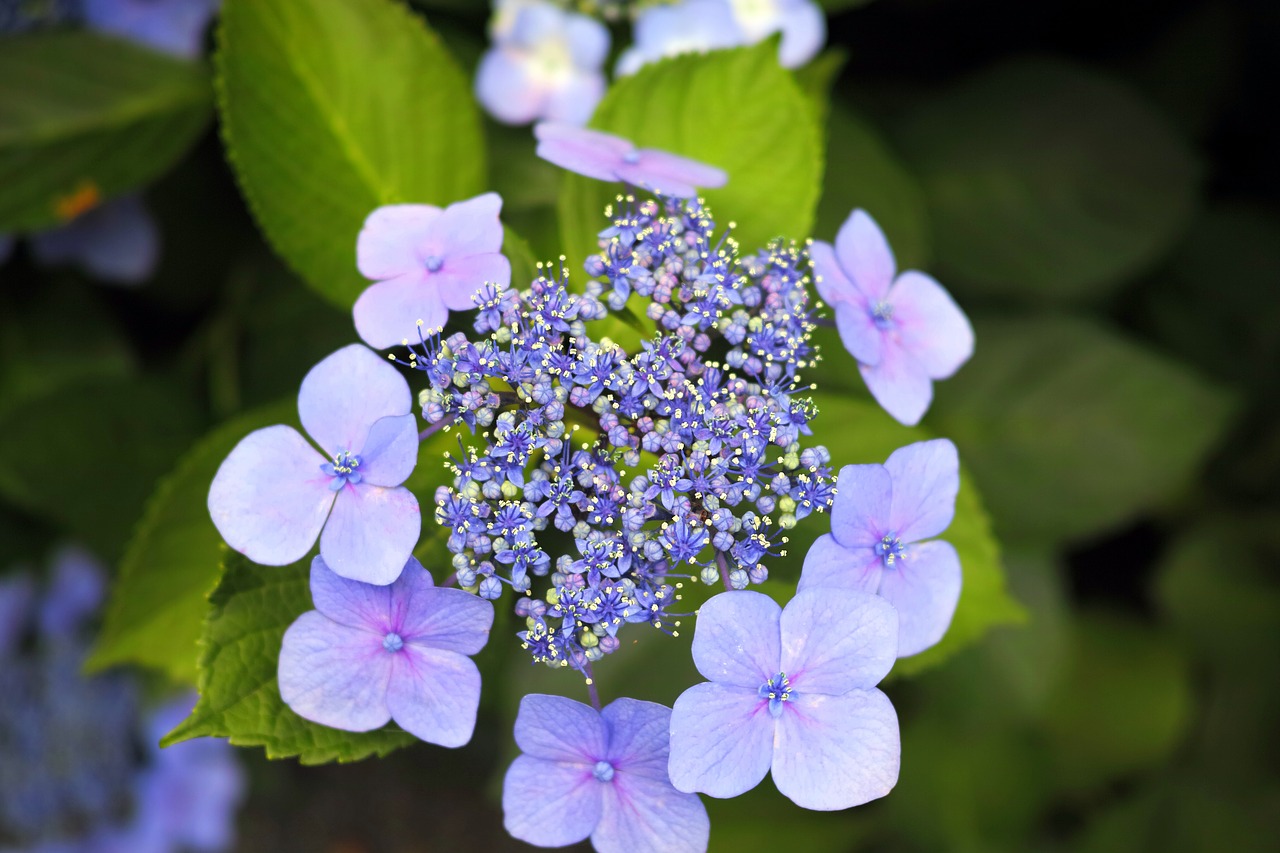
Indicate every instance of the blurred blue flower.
{"type": "Point", "coordinates": [693, 26]}
{"type": "Point", "coordinates": [802, 23]}
{"type": "Point", "coordinates": [75, 592]}
{"type": "Point", "coordinates": [171, 26]}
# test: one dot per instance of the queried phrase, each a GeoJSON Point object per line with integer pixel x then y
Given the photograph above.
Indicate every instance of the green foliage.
{"type": "Point", "coordinates": [1047, 181]}
{"type": "Point", "coordinates": [331, 108]}
{"type": "Point", "coordinates": [1070, 428]}
{"type": "Point", "coordinates": [239, 697]}
{"type": "Point", "coordinates": [84, 117]}
{"type": "Point", "coordinates": [734, 109]}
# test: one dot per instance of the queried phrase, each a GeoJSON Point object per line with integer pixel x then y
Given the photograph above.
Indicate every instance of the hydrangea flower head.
{"type": "Point", "coordinates": [606, 157]}
{"type": "Point", "coordinates": [904, 330]}
{"type": "Point", "coordinates": [426, 262]}
{"type": "Point", "coordinates": [793, 691]}
{"type": "Point", "coordinates": [75, 592]}
{"type": "Point", "coordinates": [370, 654]}
{"type": "Point", "coordinates": [600, 775]}
{"type": "Point", "coordinates": [171, 26]}
{"type": "Point", "coordinates": [274, 493]}
{"type": "Point", "coordinates": [547, 66]}
{"type": "Point", "coordinates": [803, 26]}
{"type": "Point", "coordinates": [693, 26]}
{"type": "Point", "coordinates": [880, 514]}
{"type": "Point", "coordinates": [116, 242]}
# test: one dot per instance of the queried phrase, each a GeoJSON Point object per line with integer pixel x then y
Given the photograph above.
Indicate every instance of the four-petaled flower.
{"type": "Point", "coordinates": [274, 493]}
{"type": "Point", "coordinates": [601, 775]}
{"type": "Point", "coordinates": [793, 691]}
{"type": "Point", "coordinates": [426, 262]}
{"type": "Point", "coordinates": [694, 26]}
{"type": "Point", "coordinates": [880, 514]}
{"type": "Point", "coordinates": [904, 332]}
{"type": "Point", "coordinates": [606, 157]}
{"type": "Point", "coordinates": [369, 654]}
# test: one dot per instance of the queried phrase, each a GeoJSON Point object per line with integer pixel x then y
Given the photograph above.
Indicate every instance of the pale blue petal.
{"type": "Point", "coordinates": [899, 384]}
{"type": "Point", "coordinates": [587, 152]}
{"type": "Point", "coordinates": [670, 174]}
{"type": "Point", "coordinates": [550, 803]}
{"type": "Point", "coordinates": [388, 245]}
{"type": "Point", "coordinates": [804, 31]}
{"type": "Point", "coordinates": [398, 310]}
{"type": "Point", "coordinates": [466, 228]}
{"type": "Point", "coordinates": [588, 41]}
{"type": "Point", "coordinates": [639, 737]}
{"type": "Point", "coordinates": [559, 729]}
{"type": "Point", "coordinates": [390, 452]}
{"type": "Point", "coordinates": [864, 498]}
{"type": "Point", "coordinates": [834, 641]}
{"type": "Point", "coordinates": [356, 604]}
{"type": "Point", "coordinates": [858, 332]}
{"type": "Point", "coordinates": [721, 740]}
{"type": "Point", "coordinates": [334, 675]}
{"type": "Point", "coordinates": [933, 329]}
{"type": "Point", "coordinates": [506, 88]}
{"type": "Point", "coordinates": [574, 102]}
{"type": "Point", "coordinates": [75, 592]}
{"type": "Point", "coordinates": [830, 564]}
{"type": "Point", "coordinates": [448, 619]}
{"type": "Point", "coordinates": [434, 694]}
{"type": "Point", "coordinates": [926, 479]}
{"type": "Point", "coordinates": [371, 532]}
{"type": "Point", "coordinates": [344, 394]}
{"type": "Point", "coordinates": [459, 279]}
{"type": "Point", "coordinates": [925, 588]}
{"type": "Point", "coordinates": [865, 256]}
{"type": "Point", "coordinates": [736, 640]}
{"type": "Point", "coordinates": [646, 813]}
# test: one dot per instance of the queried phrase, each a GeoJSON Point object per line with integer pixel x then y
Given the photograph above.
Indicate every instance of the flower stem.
{"type": "Point", "coordinates": [436, 427]}
{"type": "Point", "coordinates": [724, 570]}
{"type": "Point", "coordinates": [591, 689]}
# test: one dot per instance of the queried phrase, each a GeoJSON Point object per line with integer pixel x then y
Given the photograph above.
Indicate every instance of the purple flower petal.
{"type": "Point", "coordinates": [858, 333]}
{"type": "Point", "coordinates": [361, 605]}
{"type": "Point", "coordinates": [588, 42]}
{"type": "Point", "coordinates": [334, 675]}
{"type": "Point", "coordinates": [830, 564]}
{"type": "Point", "coordinates": [829, 278]}
{"type": "Point", "coordinates": [933, 328]}
{"type": "Point", "coordinates": [925, 588]}
{"type": "Point", "coordinates": [576, 100]}
{"type": "Point", "coordinates": [460, 278]}
{"type": "Point", "coordinates": [670, 174]}
{"type": "Point", "coordinates": [693, 26]}
{"type": "Point", "coordinates": [434, 694]}
{"type": "Point", "coordinates": [834, 641]}
{"type": "Point", "coordinates": [117, 242]}
{"type": "Point", "coordinates": [506, 89]}
{"type": "Point", "coordinates": [721, 739]}
{"type": "Point", "coordinates": [644, 813]}
{"type": "Point", "coordinates": [465, 228]}
{"type": "Point", "coordinates": [388, 311]}
{"type": "Point", "coordinates": [390, 452]}
{"type": "Point", "coordinates": [864, 495]}
{"type": "Point", "coordinates": [834, 752]}
{"type": "Point", "coordinates": [371, 532]}
{"type": "Point", "coordinates": [926, 479]}
{"type": "Point", "coordinates": [804, 31]}
{"type": "Point", "coordinates": [549, 803]}
{"type": "Point", "coordinates": [899, 384]}
{"type": "Point", "coordinates": [269, 498]}
{"type": "Point", "coordinates": [736, 639]}
{"type": "Point", "coordinates": [389, 243]}
{"type": "Point", "coordinates": [560, 730]}
{"type": "Point", "coordinates": [587, 152]}
{"type": "Point", "coordinates": [639, 737]}
{"type": "Point", "coordinates": [448, 619]}
{"type": "Point", "coordinates": [865, 256]}
{"type": "Point", "coordinates": [343, 395]}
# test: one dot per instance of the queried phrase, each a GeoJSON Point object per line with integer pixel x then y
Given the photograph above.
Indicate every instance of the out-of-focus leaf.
{"type": "Point", "coordinates": [816, 78]}
{"type": "Point", "coordinates": [331, 108]}
{"type": "Point", "coordinates": [1047, 181]}
{"type": "Point", "coordinates": [84, 118]}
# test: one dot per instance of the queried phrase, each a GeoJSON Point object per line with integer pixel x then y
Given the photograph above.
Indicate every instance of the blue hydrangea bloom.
{"type": "Point", "coordinates": [117, 242]}
{"type": "Point", "coordinates": [606, 157]}
{"type": "Point", "coordinates": [792, 691]}
{"type": "Point", "coordinates": [802, 23]}
{"type": "Point", "coordinates": [171, 26]}
{"type": "Point", "coordinates": [274, 493]}
{"type": "Point", "coordinates": [370, 654]}
{"type": "Point", "coordinates": [547, 65]}
{"type": "Point", "coordinates": [880, 515]}
{"type": "Point", "coordinates": [693, 26]}
{"type": "Point", "coordinates": [600, 775]}
{"type": "Point", "coordinates": [75, 592]}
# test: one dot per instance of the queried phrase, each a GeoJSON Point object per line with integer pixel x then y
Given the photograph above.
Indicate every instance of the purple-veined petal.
{"type": "Point", "coordinates": [352, 603]}
{"type": "Point", "coordinates": [506, 89]}
{"type": "Point", "coordinates": [865, 256]}
{"type": "Point", "coordinates": [670, 174]}
{"type": "Point", "coordinates": [925, 588]}
{"type": "Point", "coordinates": [460, 278]}
{"type": "Point", "coordinates": [646, 813]}
{"type": "Point", "coordinates": [434, 694]}
{"type": "Point", "coordinates": [448, 619]}
{"type": "Point", "coordinates": [834, 752]}
{"type": "Point", "coordinates": [804, 31]}
{"type": "Point", "coordinates": [932, 327]}
{"type": "Point", "coordinates": [269, 498]}
{"type": "Point", "coordinates": [639, 737]}
{"type": "Point", "coordinates": [343, 395]}
{"type": "Point", "coordinates": [736, 639]}
{"type": "Point", "coordinates": [388, 312]}
{"type": "Point", "coordinates": [721, 740]}
{"type": "Point", "coordinates": [467, 227]}
{"type": "Point", "coordinates": [587, 152]}
{"type": "Point", "coordinates": [864, 497]}
{"type": "Point", "coordinates": [830, 564]}
{"type": "Point", "coordinates": [390, 452]}
{"type": "Point", "coordinates": [858, 332]}
{"type": "Point", "coordinates": [549, 803]}
{"type": "Point", "coordinates": [334, 675]}
{"type": "Point", "coordinates": [576, 100]}
{"type": "Point", "coordinates": [899, 384]}
{"type": "Point", "coordinates": [561, 730]}
{"type": "Point", "coordinates": [388, 245]}
{"type": "Point", "coordinates": [371, 532]}
{"type": "Point", "coordinates": [926, 478]}
{"type": "Point", "coordinates": [829, 278]}
{"type": "Point", "coordinates": [834, 641]}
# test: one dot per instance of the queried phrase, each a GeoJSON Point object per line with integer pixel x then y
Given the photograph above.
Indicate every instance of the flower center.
{"type": "Point", "coordinates": [433, 263]}
{"type": "Point", "coordinates": [631, 157]}
{"type": "Point", "coordinates": [345, 468]}
{"type": "Point", "coordinates": [603, 771]}
{"type": "Point", "coordinates": [889, 549]}
{"type": "Point", "coordinates": [882, 315]}
{"type": "Point", "coordinates": [392, 642]}
{"type": "Point", "coordinates": [777, 690]}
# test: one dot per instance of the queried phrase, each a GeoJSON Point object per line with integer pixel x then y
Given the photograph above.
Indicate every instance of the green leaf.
{"type": "Point", "coordinates": [734, 109]}
{"type": "Point", "coordinates": [1047, 181]}
{"type": "Point", "coordinates": [331, 108]}
{"type": "Point", "coordinates": [1071, 429]}
{"type": "Point", "coordinates": [159, 599]}
{"type": "Point", "coordinates": [817, 78]}
{"type": "Point", "coordinates": [239, 697]}
{"type": "Point", "coordinates": [84, 117]}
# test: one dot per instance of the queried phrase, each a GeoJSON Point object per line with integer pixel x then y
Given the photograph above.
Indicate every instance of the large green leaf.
{"type": "Point", "coordinates": [1070, 428]}
{"type": "Point", "coordinates": [331, 108]}
{"type": "Point", "coordinates": [735, 109]}
{"type": "Point", "coordinates": [1047, 181]}
{"type": "Point", "coordinates": [239, 697]}
{"type": "Point", "coordinates": [84, 117]}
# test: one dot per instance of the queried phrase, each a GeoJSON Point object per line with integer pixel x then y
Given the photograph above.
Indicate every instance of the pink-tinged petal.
{"type": "Point", "coordinates": [804, 32]}
{"type": "Point", "coordinates": [550, 804]}
{"type": "Point", "coordinates": [834, 641]}
{"type": "Point", "coordinates": [644, 813]}
{"type": "Point", "coordinates": [587, 152]}
{"type": "Point", "coordinates": [269, 498]}
{"type": "Point", "coordinates": [343, 395]}
{"type": "Point", "coordinates": [467, 227]}
{"type": "Point", "coordinates": [670, 174]}
{"type": "Point", "coordinates": [388, 312]}
{"type": "Point", "coordinates": [506, 88]}
{"type": "Point", "coordinates": [721, 740]}
{"type": "Point", "coordinates": [865, 256]}
{"type": "Point", "coordinates": [736, 641]}
{"type": "Point", "coordinates": [388, 244]}
{"type": "Point", "coordinates": [448, 619]}
{"type": "Point", "coordinates": [460, 278]}
{"type": "Point", "coordinates": [575, 101]}
{"type": "Point", "coordinates": [932, 327]}
{"type": "Point", "coordinates": [434, 694]}
{"type": "Point", "coordinates": [835, 752]}
{"type": "Point", "coordinates": [859, 333]}
{"type": "Point", "coordinates": [356, 604]}
{"type": "Point", "coordinates": [926, 478]}
{"type": "Point", "coordinates": [864, 496]}
{"type": "Point", "coordinates": [925, 588]}
{"type": "Point", "coordinates": [371, 532]}
{"type": "Point", "coordinates": [561, 730]}
{"type": "Point", "coordinates": [830, 564]}
{"type": "Point", "coordinates": [639, 737]}
{"type": "Point", "coordinates": [832, 284]}
{"type": "Point", "coordinates": [334, 675]}
{"type": "Point", "coordinates": [390, 452]}
{"type": "Point", "coordinates": [899, 384]}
